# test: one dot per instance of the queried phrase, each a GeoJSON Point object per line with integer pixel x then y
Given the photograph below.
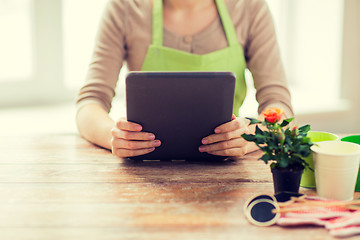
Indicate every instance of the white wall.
{"type": "Point", "coordinates": [344, 119]}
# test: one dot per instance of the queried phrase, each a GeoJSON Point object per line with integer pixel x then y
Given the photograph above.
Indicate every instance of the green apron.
{"type": "Point", "coordinates": [160, 58]}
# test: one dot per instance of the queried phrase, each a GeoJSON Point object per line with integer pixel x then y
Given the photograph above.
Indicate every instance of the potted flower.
{"type": "Point", "coordinates": [283, 147]}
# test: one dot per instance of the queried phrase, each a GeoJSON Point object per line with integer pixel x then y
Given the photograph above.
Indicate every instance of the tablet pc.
{"type": "Point", "coordinates": [180, 108]}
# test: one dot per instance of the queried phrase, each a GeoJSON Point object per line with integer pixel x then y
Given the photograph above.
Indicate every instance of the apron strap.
{"type": "Point", "coordinates": [157, 23]}
{"type": "Point", "coordinates": [227, 23]}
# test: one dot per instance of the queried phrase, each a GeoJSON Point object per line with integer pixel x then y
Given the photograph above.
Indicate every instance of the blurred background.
{"type": "Point", "coordinates": [45, 48]}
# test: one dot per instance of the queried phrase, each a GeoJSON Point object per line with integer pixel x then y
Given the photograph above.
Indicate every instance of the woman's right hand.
{"type": "Point", "coordinates": [128, 140]}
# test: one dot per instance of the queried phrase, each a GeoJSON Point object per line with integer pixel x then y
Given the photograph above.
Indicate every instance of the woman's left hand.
{"type": "Point", "coordinates": [227, 140]}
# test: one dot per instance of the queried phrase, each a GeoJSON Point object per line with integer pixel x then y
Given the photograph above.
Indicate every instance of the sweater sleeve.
{"type": "Point", "coordinates": [264, 61]}
{"type": "Point", "coordinates": [107, 59]}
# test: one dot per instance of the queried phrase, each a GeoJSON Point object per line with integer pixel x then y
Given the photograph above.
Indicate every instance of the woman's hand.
{"type": "Point", "coordinates": [227, 140]}
{"type": "Point", "coordinates": [128, 140]}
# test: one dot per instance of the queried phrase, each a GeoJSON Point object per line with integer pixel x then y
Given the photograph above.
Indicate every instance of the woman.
{"type": "Point", "coordinates": [158, 35]}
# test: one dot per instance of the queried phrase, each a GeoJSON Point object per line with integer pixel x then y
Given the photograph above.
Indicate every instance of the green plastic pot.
{"type": "Point", "coordinates": [354, 139]}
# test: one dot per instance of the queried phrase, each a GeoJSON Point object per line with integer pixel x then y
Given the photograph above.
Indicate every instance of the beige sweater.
{"type": "Point", "coordinates": [124, 36]}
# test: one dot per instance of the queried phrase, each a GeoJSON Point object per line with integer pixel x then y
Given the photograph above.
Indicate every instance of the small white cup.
{"type": "Point", "coordinates": [336, 169]}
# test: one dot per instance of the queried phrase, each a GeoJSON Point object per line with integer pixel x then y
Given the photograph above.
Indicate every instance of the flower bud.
{"type": "Point", "coordinates": [281, 136]}
{"type": "Point", "coordinates": [295, 131]}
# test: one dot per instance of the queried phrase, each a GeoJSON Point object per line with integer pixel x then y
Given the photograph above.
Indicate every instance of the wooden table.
{"type": "Point", "coordinates": [62, 187]}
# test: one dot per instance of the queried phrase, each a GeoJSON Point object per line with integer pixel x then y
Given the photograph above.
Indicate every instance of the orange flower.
{"type": "Point", "coordinates": [272, 115]}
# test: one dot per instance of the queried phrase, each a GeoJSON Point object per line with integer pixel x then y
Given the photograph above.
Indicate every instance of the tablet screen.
{"type": "Point", "coordinates": [180, 108]}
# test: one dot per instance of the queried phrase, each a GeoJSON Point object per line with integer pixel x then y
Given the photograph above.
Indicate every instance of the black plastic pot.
{"type": "Point", "coordinates": [286, 180]}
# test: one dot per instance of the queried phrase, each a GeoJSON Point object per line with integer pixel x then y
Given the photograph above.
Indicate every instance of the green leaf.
{"type": "Point", "coordinates": [304, 128]}
{"type": "Point", "coordinates": [266, 157]}
{"type": "Point", "coordinates": [249, 137]}
{"type": "Point", "coordinates": [253, 121]}
{"type": "Point", "coordinates": [258, 131]}
{"type": "Point", "coordinates": [306, 140]}
{"type": "Point", "coordinates": [260, 139]}
{"type": "Point", "coordinates": [286, 122]}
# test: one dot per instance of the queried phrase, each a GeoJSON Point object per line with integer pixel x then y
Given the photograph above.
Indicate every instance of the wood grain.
{"type": "Point", "coordinates": [62, 187]}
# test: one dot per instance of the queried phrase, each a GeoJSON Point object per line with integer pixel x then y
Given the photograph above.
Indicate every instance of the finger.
{"type": "Point", "coordinates": [128, 126]}
{"type": "Point", "coordinates": [120, 152]}
{"type": "Point", "coordinates": [218, 137]}
{"type": "Point", "coordinates": [128, 135]}
{"type": "Point", "coordinates": [238, 152]}
{"type": "Point", "coordinates": [230, 126]}
{"type": "Point", "coordinates": [134, 145]}
{"type": "Point", "coordinates": [233, 143]}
